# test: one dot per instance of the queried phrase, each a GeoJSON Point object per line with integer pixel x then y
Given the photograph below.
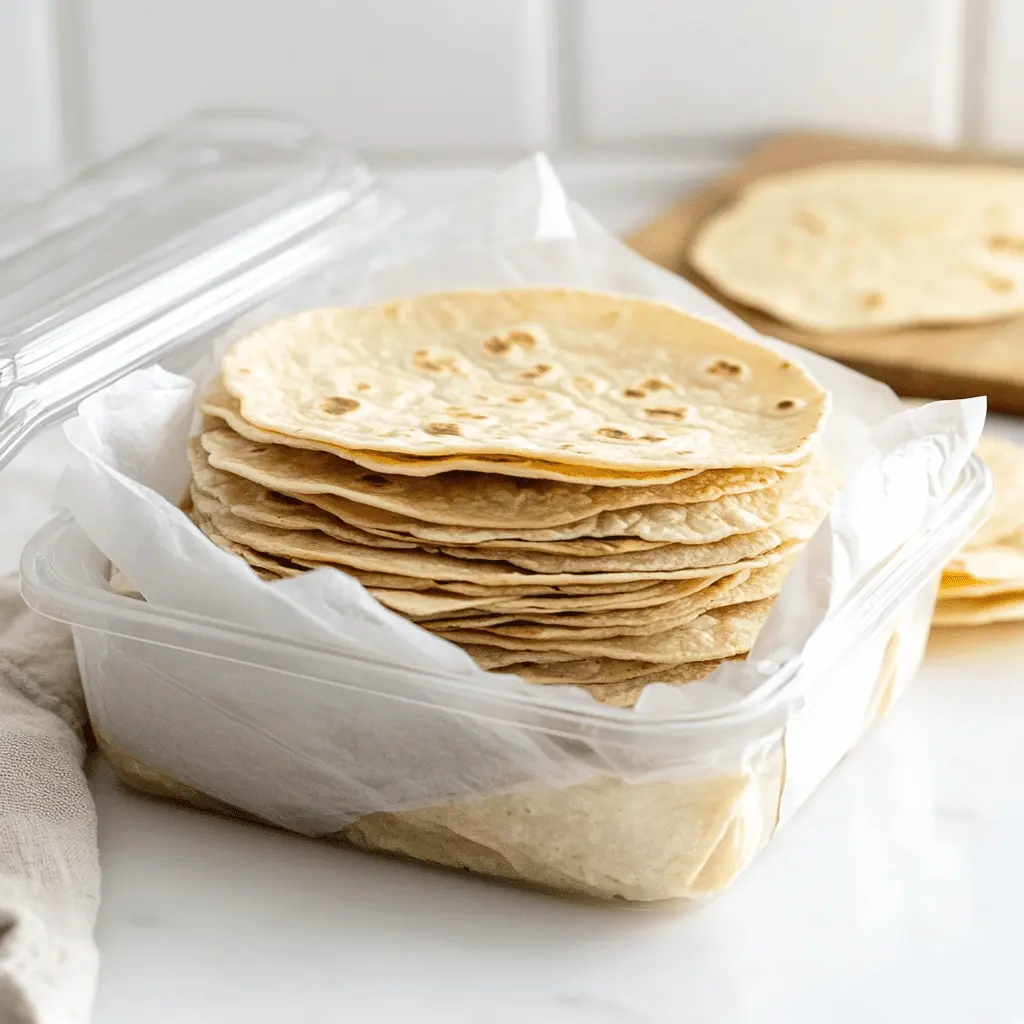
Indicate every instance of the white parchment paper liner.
{"type": "Point", "coordinates": [386, 732]}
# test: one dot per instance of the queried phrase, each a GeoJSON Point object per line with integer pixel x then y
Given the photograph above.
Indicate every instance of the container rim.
{"type": "Point", "coordinates": [79, 595]}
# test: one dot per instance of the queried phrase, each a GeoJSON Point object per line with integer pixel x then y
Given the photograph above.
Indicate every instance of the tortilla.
{"type": "Point", "coordinates": [313, 548]}
{"type": "Point", "coordinates": [739, 588]}
{"type": "Point", "coordinates": [858, 246]}
{"type": "Point", "coordinates": [716, 634]}
{"type": "Point", "coordinates": [547, 374]}
{"type": "Point", "coordinates": [609, 532]}
{"type": "Point", "coordinates": [487, 501]}
{"type": "Point", "coordinates": [979, 611]}
{"type": "Point", "coordinates": [221, 406]}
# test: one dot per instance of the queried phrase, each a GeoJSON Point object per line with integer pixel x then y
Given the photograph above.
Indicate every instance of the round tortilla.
{"type": "Point", "coordinates": [859, 246]}
{"type": "Point", "coordinates": [571, 378]}
{"type": "Point", "coordinates": [483, 500]}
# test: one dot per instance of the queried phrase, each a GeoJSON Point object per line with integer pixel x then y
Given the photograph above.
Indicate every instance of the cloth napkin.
{"type": "Point", "coordinates": [49, 864]}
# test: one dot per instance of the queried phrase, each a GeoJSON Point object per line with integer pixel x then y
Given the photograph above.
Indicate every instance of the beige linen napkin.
{"type": "Point", "coordinates": [49, 869]}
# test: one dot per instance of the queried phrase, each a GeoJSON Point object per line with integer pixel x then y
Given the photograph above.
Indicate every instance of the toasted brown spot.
{"type": "Point", "coordinates": [535, 371]}
{"type": "Point", "coordinates": [785, 405]}
{"type": "Point", "coordinates": [872, 300]}
{"type": "Point", "coordinates": [1006, 243]}
{"type": "Point", "coordinates": [465, 414]}
{"type": "Point", "coordinates": [1002, 285]}
{"type": "Point", "coordinates": [363, 386]}
{"type": "Point", "coordinates": [613, 432]}
{"type": "Point", "coordinates": [337, 406]}
{"type": "Point", "coordinates": [437, 363]}
{"type": "Point", "coordinates": [667, 412]}
{"type": "Point", "coordinates": [501, 345]}
{"type": "Point", "coordinates": [785, 366]}
{"type": "Point", "coordinates": [441, 429]}
{"type": "Point", "coordinates": [244, 371]}
{"type": "Point", "coordinates": [653, 384]}
{"type": "Point", "coordinates": [810, 222]}
{"type": "Point", "coordinates": [634, 393]}
{"type": "Point", "coordinates": [517, 399]}
{"type": "Point", "coordinates": [725, 368]}
{"type": "Point", "coordinates": [653, 438]}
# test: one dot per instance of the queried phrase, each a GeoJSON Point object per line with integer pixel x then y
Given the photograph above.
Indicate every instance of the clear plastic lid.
{"type": "Point", "coordinates": [136, 256]}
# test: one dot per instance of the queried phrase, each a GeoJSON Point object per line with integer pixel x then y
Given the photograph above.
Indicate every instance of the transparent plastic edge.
{"type": "Point", "coordinates": [87, 602]}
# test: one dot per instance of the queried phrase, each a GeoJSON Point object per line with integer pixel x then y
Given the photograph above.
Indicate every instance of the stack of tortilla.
{"type": "Point", "coordinates": [984, 582]}
{"type": "Point", "coordinates": [573, 487]}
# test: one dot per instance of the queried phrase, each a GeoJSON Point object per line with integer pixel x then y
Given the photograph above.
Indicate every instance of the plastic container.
{"type": "Point", "coordinates": [652, 808]}
{"type": "Point", "coordinates": [726, 780]}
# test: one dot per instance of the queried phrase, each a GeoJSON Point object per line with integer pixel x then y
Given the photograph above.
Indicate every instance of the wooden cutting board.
{"type": "Point", "coordinates": [924, 362]}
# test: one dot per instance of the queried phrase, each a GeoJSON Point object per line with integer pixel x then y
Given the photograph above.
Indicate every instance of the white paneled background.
{"type": "Point", "coordinates": [635, 98]}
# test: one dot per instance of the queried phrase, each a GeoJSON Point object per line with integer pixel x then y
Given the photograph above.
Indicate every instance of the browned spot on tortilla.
{"type": "Point", "coordinates": [667, 412]}
{"type": "Point", "coordinates": [500, 345]}
{"type": "Point", "coordinates": [872, 300]}
{"type": "Point", "coordinates": [1002, 285]}
{"type": "Point", "coordinates": [785, 405]}
{"type": "Point", "coordinates": [785, 366]}
{"type": "Point", "coordinates": [634, 393]}
{"type": "Point", "coordinates": [363, 386]}
{"type": "Point", "coordinates": [517, 399]}
{"type": "Point", "coordinates": [614, 433]}
{"type": "Point", "coordinates": [441, 429]}
{"type": "Point", "coordinates": [653, 384]}
{"type": "Point", "coordinates": [375, 480]}
{"type": "Point", "coordinates": [437, 362]}
{"type": "Point", "coordinates": [465, 414]}
{"type": "Point", "coordinates": [535, 371]}
{"type": "Point", "coordinates": [810, 222]}
{"type": "Point", "coordinates": [1006, 243]}
{"type": "Point", "coordinates": [725, 368]}
{"type": "Point", "coordinates": [653, 438]}
{"type": "Point", "coordinates": [335, 405]}
{"type": "Point", "coordinates": [244, 371]}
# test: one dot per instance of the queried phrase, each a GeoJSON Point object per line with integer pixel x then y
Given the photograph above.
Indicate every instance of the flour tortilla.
{"type": "Point", "coordinates": [436, 604]}
{"type": "Point", "coordinates": [601, 591]}
{"type": "Point", "coordinates": [979, 611]}
{"type": "Point", "coordinates": [279, 568]}
{"type": "Point", "coordinates": [313, 548]}
{"type": "Point", "coordinates": [717, 634]}
{"type": "Point", "coordinates": [667, 558]}
{"type": "Point", "coordinates": [1002, 561]}
{"type": "Point", "coordinates": [627, 692]}
{"type": "Point", "coordinates": [961, 584]}
{"type": "Point", "coordinates": [740, 588]}
{"type": "Point", "coordinates": [534, 373]}
{"type": "Point", "coordinates": [611, 838]}
{"type": "Point", "coordinates": [255, 503]}
{"type": "Point", "coordinates": [482, 500]}
{"type": "Point", "coordinates": [857, 246]}
{"type": "Point", "coordinates": [992, 560]}
{"type": "Point", "coordinates": [218, 405]}
{"type": "Point", "coordinates": [1005, 461]}
{"type": "Point", "coordinates": [610, 532]}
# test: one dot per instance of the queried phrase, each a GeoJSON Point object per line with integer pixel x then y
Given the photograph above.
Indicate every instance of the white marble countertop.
{"type": "Point", "coordinates": [894, 895]}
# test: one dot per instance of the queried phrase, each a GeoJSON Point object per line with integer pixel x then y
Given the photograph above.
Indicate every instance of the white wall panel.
{"type": "Point", "coordinates": [394, 75]}
{"type": "Point", "coordinates": [664, 70]}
